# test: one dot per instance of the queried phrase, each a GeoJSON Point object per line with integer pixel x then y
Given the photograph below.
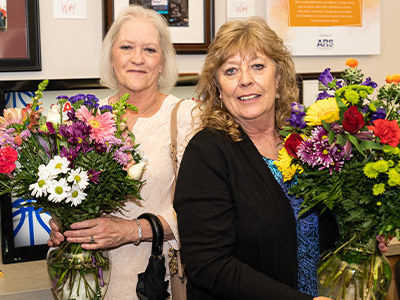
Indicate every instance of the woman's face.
{"type": "Point", "coordinates": [248, 87]}
{"type": "Point", "coordinates": [137, 57]}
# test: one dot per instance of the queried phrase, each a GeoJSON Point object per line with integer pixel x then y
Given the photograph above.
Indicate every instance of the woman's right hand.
{"type": "Point", "coordinates": [56, 236]}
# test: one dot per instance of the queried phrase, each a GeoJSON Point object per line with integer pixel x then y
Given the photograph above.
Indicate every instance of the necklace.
{"type": "Point", "coordinates": [276, 153]}
{"type": "Point", "coordinates": [142, 112]}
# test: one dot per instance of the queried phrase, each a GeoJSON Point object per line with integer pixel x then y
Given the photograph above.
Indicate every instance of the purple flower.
{"type": "Point", "coordinates": [50, 129]}
{"type": "Point", "coordinates": [326, 77]}
{"type": "Point", "coordinates": [71, 154]}
{"type": "Point", "coordinates": [62, 97]}
{"type": "Point", "coordinates": [111, 141]}
{"type": "Point", "coordinates": [25, 134]}
{"type": "Point", "coordinates": [297, 117]}
{"type": "Point", "coordinates": [121, 157]}
{"type": "Point", "coordinates": [336, 128]}
{"type": "Point", "coordinates": [77, 134]}
{"type": "Point", "coordinates": [7, 139]}
{"type": "Point", "coordinates": [93, 175]}
{"type": "Point", "coordinates": [76, 98]}
{"type": "Point", "coordinates": [106, 108]}
{"type": "Point", "coordinates": [369, 82]}
{"type": "Point", "coordinates": [364, 110]}
{"type": "Point", "coordinates": [323, 95]}
{"type": "Point", "coordinates": [71, 115]}
{"type": "Point", "coordinates": [317, 152]}
{"type": "Point", "coordinates": [379, 114]}
{"type": "Point", "coordinates": [365, 135]}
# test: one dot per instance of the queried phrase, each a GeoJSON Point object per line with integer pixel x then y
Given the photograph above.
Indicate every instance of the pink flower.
{"type": "Point", "coordinates": [8, 157]}
{"type": "Point", "coordinates": [11, 116]}
{"type": "Point", "coordinates": [102, 125]}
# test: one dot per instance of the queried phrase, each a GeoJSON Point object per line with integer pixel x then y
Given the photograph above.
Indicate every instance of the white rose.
{"type": "Point", "coordinates": [135, 171]}
{"type": "Point", "coordinates": [53, 115]}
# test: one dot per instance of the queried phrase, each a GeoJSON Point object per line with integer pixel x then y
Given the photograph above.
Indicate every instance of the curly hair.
{"type": "Point", "coordinates": [247, 37]}
{"type": "Point", "coordinates": [169, 73]}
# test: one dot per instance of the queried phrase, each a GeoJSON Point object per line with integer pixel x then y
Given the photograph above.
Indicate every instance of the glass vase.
{"type": "Point", "coordinates": [77, 273]}
{"type": "Point", "coordinates": [354, 270]}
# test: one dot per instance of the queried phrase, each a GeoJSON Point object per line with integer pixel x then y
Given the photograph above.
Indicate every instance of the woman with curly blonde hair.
{"type": "Point", "coordinates": [240, 235]}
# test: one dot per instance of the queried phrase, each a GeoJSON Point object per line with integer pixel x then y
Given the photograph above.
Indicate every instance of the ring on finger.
{"type": "Point", "coordinates": [92, 239]}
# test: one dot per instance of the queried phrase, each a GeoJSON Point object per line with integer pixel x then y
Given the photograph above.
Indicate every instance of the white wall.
{"type": "Point", "coordinates": [70, 48]}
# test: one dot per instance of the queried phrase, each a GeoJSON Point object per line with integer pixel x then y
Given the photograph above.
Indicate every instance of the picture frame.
{"type": "Point", "coordinates": [20, 43]}
{"type": "Point", "coordinates": [193, 39]}
{"type": "Point", "coordinates": [10, 252]}
{"type": "Point", "coordinates": [310, 87]}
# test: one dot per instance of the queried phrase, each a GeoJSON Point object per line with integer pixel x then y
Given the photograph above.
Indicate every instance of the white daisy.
{"type": "Point", "coordinates": [58, 165]}
{"type": "Point", "coordinates": [58, 190]}
{"type": "Point", "coordinates": [44, 172]}
{"type": "Point", "coordinates": [79, 177]}
{"type": "Point", "coordinates": [39, 189]}
{"type": "Point", "coordinates": [76, 196]}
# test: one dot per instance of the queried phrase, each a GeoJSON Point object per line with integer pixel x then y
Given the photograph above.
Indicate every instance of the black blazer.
{"type": "Point", "coordinates": [237, 227]}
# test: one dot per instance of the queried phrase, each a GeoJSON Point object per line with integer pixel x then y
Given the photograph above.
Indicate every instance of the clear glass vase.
{"type": "Point", "coordinates": [77, 273]}
{"type": "Point", "coordinates": [354, 271]}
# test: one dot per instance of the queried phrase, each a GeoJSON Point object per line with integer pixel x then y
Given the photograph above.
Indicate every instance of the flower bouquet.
{"type": "Point", "coordinates": [342, 154]}
{"type": "Point", "coordinates": [76, 167]}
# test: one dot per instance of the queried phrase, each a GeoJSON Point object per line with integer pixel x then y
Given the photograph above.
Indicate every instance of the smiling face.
{"type": "Point", "coordinates": [137, 58]}
{"type": "Point", "coordinates": [248, 87]}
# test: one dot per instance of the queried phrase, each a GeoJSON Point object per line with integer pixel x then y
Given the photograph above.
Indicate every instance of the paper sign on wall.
{"type": "Point", "coordinates": [240, 9]}
{"type": "Point", "coordinates": [69, 9]}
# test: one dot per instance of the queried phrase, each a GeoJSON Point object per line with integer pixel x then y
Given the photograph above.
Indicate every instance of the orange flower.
{"type": "Point", "coordinates": [394, 78]}
{"type": "Point", "coordinates": [352, 63]}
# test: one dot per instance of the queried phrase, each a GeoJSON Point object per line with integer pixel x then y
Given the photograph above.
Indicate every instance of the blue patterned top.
{"type": "Point", "coordinates": [307, 238]}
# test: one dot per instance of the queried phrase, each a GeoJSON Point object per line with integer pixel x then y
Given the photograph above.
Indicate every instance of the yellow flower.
{"type": "Point", "coordinates": [394, 177]}
{"type": "Point", "coordinates": [370, 171]}
{"type": "Point", "coordinates": [326, 109]}
{"type": "Point", "coordinates": [284, 164]}
{"type": "Point", "coordinates": [378, 189]}
{"type": "Point", "coordinates": [352, 63]}
{"type": "Point", "coordinates": [381, 166]}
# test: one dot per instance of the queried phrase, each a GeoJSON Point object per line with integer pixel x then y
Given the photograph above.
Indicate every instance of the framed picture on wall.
{"type": "Point", "coordinates": [19, 36]}
{"type": "Point", "coordinates": [191, 22]}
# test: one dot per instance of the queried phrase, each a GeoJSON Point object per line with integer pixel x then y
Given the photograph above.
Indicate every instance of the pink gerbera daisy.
{"type": "Point", "coordinates": [102, 125]}
{"type": "Point", "coordinates": [11, 116]}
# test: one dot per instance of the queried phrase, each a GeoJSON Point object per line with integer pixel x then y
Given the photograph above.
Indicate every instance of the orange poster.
{"type": "Point", "coordinates": [311, 13]}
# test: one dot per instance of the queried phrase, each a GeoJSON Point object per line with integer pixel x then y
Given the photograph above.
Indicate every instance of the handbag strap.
{"type": "Point", "coordinates": [158, 233]}
{"type": "Point", "coordinates": [174, 146]}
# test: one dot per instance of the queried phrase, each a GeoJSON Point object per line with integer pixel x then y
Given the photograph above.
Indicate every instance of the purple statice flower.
{"type": "Point", "coordinates": [379, 114]}
{"type": "Point", "coordinates": [50, 129]}
{"type": "Point", "coordinates": [106, 108]}
{"type": "Point", "coordinates": [94, 175]}
{"type": "Point", "coordinates": [92, 98]}
{"type": "Point", "coordinates": [336, 128]}
{"type": "Point", "coordinates": [90, 104]}
{"type": "Point", "coordinates": [297, 116]}
{"type": "Point", "coordinates": [317, 152]}
{"type": "Point", "coordinates": [364, 110]}
{"type": "Point", "coordinates": [26, 134]}
{"type": "Point", "coordinates": [62, 97]}
{"type": "Point", "coordinates": [326, 77]}
{"type": "Point", "coordinates": [369, 82]}
{"type": "Point", "coordinates": [121, 157]}
{"type": "Point", "coordinates": [71, 154]}
{"type": "Point", "coordinates": [323, 95]}
{"type": "Point", "coordinates": [71, 115]}
{"type": "Point", "coordinates": [76, 98]}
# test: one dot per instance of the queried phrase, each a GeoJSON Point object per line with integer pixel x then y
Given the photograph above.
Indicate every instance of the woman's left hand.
{"type": "Point", "coordinates": [383, 244]}
{"type": "Point", "coordinates": [104, 232]}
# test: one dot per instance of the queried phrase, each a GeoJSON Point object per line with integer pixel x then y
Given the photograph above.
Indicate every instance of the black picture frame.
{"type": "Point", "coordinates": [32, 62]}
{"type": "Point", "coordinates": [180, 48]}
{"type": "Point", "coordinates": [10, 253]}
{"type": "Point", "coordinates": [302, 77]}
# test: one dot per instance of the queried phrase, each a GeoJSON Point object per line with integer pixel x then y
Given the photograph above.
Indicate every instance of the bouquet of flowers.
{"type": "Point", "coordinates": [76, 168]}
{"type": "Point", "coordinates": [342, 154]}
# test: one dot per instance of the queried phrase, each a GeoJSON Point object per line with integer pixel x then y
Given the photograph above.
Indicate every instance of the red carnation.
{"type": "Point", "coordinates": [353, 120]}
{"type": "Point", "coordinates": [8, 157]}
{"type": "Point", "coordinates": [292, 144]}
{"type": "Point", "coordinates": [387, 131]}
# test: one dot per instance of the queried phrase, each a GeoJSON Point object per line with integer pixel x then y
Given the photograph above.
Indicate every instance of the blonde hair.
{"type": "Point", "coordinates": [169, 73]}
{"type": "Point", "coordinates": [247, 37]}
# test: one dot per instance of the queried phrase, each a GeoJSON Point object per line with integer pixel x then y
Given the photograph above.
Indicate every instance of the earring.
{"type": "Point", "coordinates": [160, 78]}
{"type": "Point", "coordinates": [277, 96]}
{"type": "Point", "coordinates": [112, 72]}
